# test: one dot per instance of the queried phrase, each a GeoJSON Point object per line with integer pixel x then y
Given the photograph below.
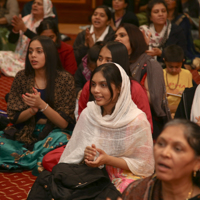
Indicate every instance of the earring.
{"type": "Point", "coordinates": [194, 174]}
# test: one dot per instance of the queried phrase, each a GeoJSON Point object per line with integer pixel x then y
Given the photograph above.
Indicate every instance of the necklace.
{"type": "Point", "coordinates": [36, 85]}
{"type": "Point", "coordinates": [190, 193]}
{"type": "Point", "coordinates": [168, 84]}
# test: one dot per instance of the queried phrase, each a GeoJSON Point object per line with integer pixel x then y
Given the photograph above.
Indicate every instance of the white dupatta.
{"type": "Point", "coordinates": [23, 41]}
{"type": "Point", "coordinates": [126, 133]}
{"type": "Point", "coordinates": [156, 38]}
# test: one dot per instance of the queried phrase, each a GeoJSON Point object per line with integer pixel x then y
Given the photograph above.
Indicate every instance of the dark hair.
{"type": "Point", "coordinates": [178, 10]}
{"type": "Point", "coordinates": [126, 1]}
{"type": "Point", "coordinates": [151, 4]}
{"type": "Point", "coordinates": [52, 64]}
{"type": "Point", "coordinates": [112, 75]}
{"type": "Point", "coordinates": [48, 24]}
{"type": "Point", "coordinates": [137, 41]}
{"type": "Point", "coordinates": [191, 132]}
{"type": "Point", "coordinates": [107, 11]}
{"type": "Point", "coordinates": [93, 52]}
{"type": "Point", "coordinates": [173, 53]}
{"type": "Point", "coordinates": [119, 55]}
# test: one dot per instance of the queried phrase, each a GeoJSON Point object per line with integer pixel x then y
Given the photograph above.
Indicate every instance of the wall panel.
{"type": "Point", "coordinates": [72, 11]}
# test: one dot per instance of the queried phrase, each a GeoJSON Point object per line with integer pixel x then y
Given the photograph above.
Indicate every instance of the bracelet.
{"type": "Point", "coordinates": [32, 112]}
{"type": "Point", "coordinates": [42, 110]}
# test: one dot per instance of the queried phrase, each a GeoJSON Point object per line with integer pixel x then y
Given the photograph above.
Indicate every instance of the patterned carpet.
{"type": "Point", "coordinates": [5, 85]}
{"type": "Point", "coordinates": [15, 186]}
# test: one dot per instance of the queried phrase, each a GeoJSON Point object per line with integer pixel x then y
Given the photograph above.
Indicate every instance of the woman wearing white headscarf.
{"type": "Point", "coordinates": [12, 62]}
{"type": "Point", "coordinates": [121, 139]}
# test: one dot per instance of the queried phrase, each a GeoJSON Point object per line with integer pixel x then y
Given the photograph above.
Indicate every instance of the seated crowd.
{"type": "Point", "coordinates": [136, 134]}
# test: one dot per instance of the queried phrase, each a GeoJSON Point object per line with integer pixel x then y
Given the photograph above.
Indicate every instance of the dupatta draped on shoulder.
{"type": "Point", "coordinates": [156, 83]}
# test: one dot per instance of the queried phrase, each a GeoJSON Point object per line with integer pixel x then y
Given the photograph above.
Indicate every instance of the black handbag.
{"type": "Point", "coordinates": [73, 182]}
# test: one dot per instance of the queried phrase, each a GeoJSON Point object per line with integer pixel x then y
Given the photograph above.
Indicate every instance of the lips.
{"type": "Point", "coordinates": [98, 98]}
{"type": "Point", "coordinates": [162, 167]}
{"type": "Point", "coordinates": [96, 22]}
{"type": "Point", "coordinates": [34, 9]}
{"type": "Point", "coordinates": [115, 7]}
{"type": "Point", "coordinates": [34, 62]}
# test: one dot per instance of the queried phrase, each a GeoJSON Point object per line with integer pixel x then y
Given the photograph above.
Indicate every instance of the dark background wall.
{"type": "Point", "coordinates": [72, 11]}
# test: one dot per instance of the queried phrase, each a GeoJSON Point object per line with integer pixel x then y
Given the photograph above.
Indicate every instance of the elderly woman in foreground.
{"type": "Point", "coordinates": [177, 164]}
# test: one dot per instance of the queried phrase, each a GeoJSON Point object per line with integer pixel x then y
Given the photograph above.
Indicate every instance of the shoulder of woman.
{"type": "Point", "coordinates": [176, 29]}
{"type": "Point", "coordinates": [65, 78]}
{"type": "Point", "coordinates": [21, 73]}
{"type": "Point", "coordinates": [25, 18]}
{"type": "Point", "coordinates": [64, 74]}
{"type": "Point", "coordinates": [82, 33]}
{"type": "Point", "coordinates": [65, 47]}
{"type": "Point", "coordinates": [142, 118]}
{"type": "Point", "coordinates": [111, 31]}
{"type": "Point", "coordinates": [137, 188]}
{"type": "Point", "coordinates": [21, 79]}
{"type": "Point", "coordinates": [143, 27]}
{"type": "Point", "coordinates": [154, 65]}
{"type": "Point", "coordinates": [135, 85]}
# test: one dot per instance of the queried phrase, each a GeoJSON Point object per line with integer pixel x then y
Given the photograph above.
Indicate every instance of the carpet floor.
{"type": "Point", "coordinates": [5, 85]}
{"type": "Point", "coordinates": [15, 186]}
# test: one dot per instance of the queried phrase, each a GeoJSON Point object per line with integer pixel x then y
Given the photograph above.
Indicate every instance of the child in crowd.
{"type": "Point", "coordinates": [176, 78]}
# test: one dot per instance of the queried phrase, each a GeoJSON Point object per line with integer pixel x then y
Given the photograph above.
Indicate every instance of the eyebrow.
{"type": "Point", "coordinates": [174, 142]}
{"type": "Point", "coordinates": [121, 33]}
{"type": "Point", "coordinates": [36, 48]}
{"type": "Point", "coordinates": [100, 81]}
{"type": "Point", "coordinates": [105, 57]}
{"type": "Point", "coordinates": [99, 12]}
